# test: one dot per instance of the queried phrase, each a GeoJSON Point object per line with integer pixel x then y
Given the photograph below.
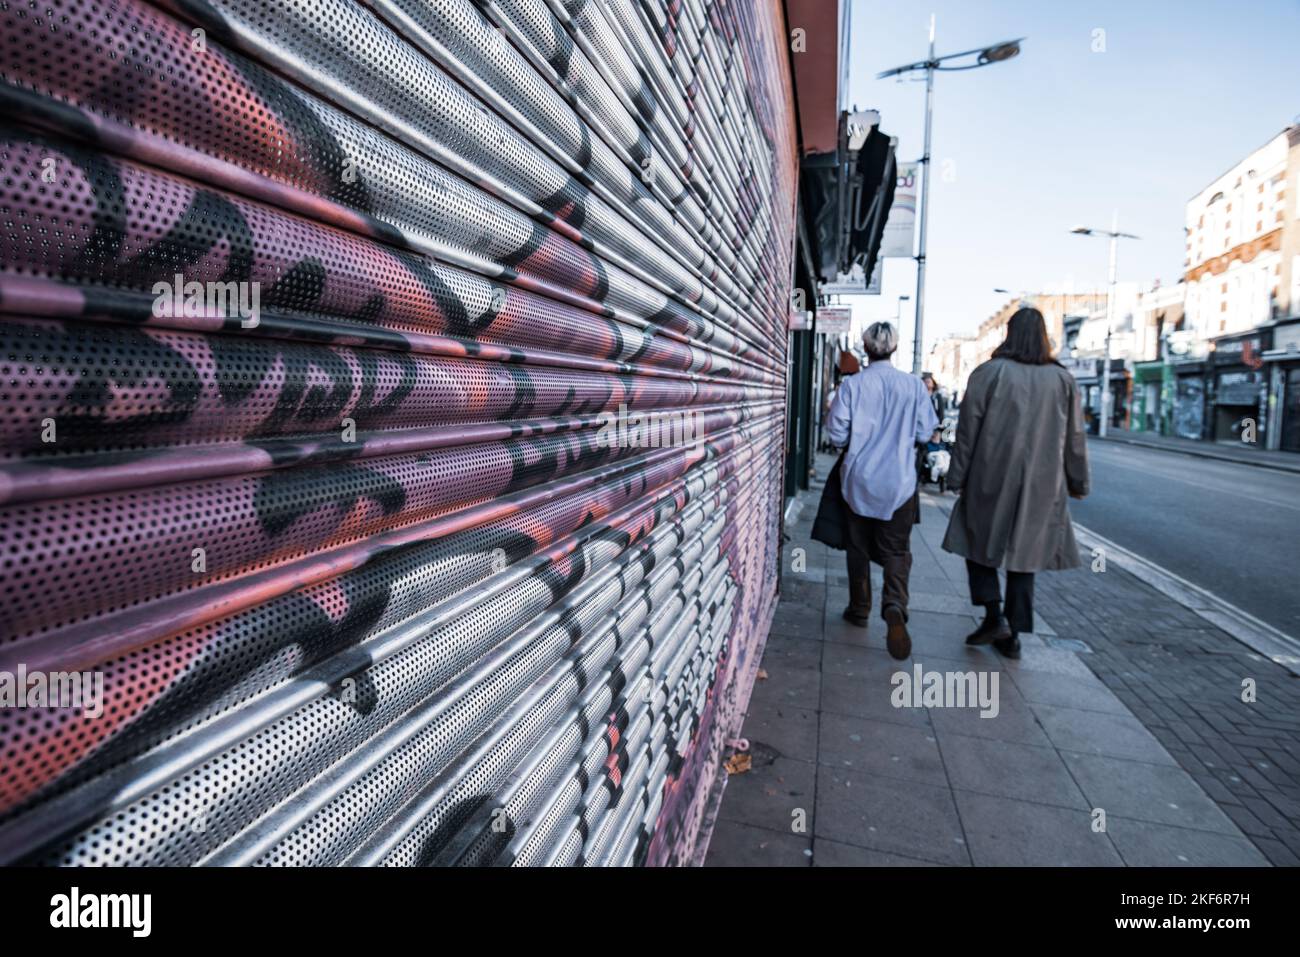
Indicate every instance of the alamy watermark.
{"type": "Point", "coordinates": [946, 689]}
{"type": "Point", "coordinates": [650, 430]}
{"type": "Point", "coordinates": [179, 298]}
{"type": "Point", "coordinates": [53, 689]}
{"type": "Point", "coordinates": [133, 912]}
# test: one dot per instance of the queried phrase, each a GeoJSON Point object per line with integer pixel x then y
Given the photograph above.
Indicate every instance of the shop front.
{"type": "Point", "coordinates": [1240, 382]}
{"type": "Point", "coordinates": [1283, 363]}
{"type": "Point", "coordinates": [1120, 381]}
{"type": "Point", "coordinates": [1147, 400]}
{"type": "Point", "coordinates": [1087, 373]}
{"type": "Point", "coordinates": [1188, 419]}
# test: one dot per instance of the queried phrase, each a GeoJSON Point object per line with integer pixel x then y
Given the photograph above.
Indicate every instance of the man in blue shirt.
{"type": "Point", "coordinates": [880, 414]}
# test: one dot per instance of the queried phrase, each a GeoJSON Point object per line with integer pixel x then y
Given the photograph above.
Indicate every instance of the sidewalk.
{"type": "Point", "coordinates": [839, 776]}
{"type": "Point", "coordinates": [1223, 451]}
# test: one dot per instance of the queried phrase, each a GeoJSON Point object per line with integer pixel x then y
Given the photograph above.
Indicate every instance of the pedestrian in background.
{"type": "Point", "coordinates": [823, 444]}
{"type": "Point", "coordinates": [1020, 452]}
{"type": "Point", "coordinates": [936, 397]}
{"type": "Point", "coordinates": [880, 414]}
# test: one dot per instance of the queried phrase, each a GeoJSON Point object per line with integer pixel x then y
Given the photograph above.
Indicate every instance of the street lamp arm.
{"type": "Point", "coordinates": [993, 53]}
{"type": "Point", "coordinates": [909, 68]}
{"type": "Point", "coordinates": [1109, 234]}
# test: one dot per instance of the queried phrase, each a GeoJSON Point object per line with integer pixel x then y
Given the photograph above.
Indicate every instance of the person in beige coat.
{"type": "Point", "coordinates": [1020, 453]}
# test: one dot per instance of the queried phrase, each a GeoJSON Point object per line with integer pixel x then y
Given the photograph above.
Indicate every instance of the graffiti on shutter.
{"type": "Point", "coordinates": [393, 413]}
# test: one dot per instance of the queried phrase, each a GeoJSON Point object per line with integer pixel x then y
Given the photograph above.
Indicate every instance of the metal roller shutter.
{"type": "Point", "coordinates": [325, 329]}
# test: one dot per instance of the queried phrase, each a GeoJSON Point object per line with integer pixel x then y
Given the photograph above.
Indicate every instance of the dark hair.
{"type": "Point", "coordinates": [1026, 339]}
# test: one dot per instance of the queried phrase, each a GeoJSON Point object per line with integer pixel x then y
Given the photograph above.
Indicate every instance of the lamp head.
{"type": "Point", "coordinates": [1000, 52]}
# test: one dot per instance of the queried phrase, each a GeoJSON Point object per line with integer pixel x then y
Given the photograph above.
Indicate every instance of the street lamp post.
{"type": "Point", "coordinates": [898, 311]}
{"type": "Point", "coordinates": [1115, 236]}
{"type": "Point", "coordinates": [983, 57]}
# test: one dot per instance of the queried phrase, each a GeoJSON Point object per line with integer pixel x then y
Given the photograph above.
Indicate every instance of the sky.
{"type": "Point", "coordinates": [1062, 135]}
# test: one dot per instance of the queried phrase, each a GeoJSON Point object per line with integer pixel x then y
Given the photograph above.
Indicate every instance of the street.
{"type": "Point", "coordinates": [1232, 529]}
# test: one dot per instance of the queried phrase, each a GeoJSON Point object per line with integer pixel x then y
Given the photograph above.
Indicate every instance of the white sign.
{"type": "Point", "coordinates": [901, 225]}
{"type": "Point", "coordinates": [853, 283]}
{"type": "Point", "coordinates": [834, 320]}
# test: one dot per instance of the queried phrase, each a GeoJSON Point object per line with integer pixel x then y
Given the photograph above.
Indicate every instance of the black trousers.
{"type": "Point", "coordinates": [888, 543]}
{"type": "Point", "coordinates": [1019, 607]}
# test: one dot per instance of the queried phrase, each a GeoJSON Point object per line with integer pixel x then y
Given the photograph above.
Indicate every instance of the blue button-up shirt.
{"type": "Point", "coordinates": [880, 413]}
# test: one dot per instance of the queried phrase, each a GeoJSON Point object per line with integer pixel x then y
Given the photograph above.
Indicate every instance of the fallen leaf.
{"type": "Point", "coordinates": [739, 763]}
{"type": "Point", "coordinates": [762, 674]}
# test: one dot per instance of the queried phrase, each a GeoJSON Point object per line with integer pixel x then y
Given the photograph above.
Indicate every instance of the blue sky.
{"type": "Point", "coordinates": [1062, 135]}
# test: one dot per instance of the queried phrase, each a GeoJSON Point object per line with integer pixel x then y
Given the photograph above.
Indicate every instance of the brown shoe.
{"type": "Point", "coordinates": [897, 640]}
{"type": "Point", "coordinates": [853, 618]}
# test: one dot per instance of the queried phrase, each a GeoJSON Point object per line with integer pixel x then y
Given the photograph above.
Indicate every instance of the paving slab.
{"type": "Point", "coordinates": [743, 845]}
{"type": "Point", "coordinates": [784, 652]}
{"type": "Point", "coordinates": [1008, 833]}
{"type": "Point", "coordinates": [786, 729]}
{"type": "Point", "coordinates": [1009, 769]}
{"type": "Point", "coordinates": [1159, 793]}
{"type": "Point", "coordinates": [1143, 844]}
{"type": "Point", "coordinates": [887, 814]}
{"type": "Point", "coordinates": [1100, 733]}
{"type": "Point", "coordinates": [868, 696]}
{"type": "Point", "coordinates": [827, 853]}
{"type": "Point", "coordinates": [880, 748]}
{"type": "Point", "coordinates": [769, 794]}
{"type": "Point", "coordinates": [1014, 721]}
{"type": "Point", "coordinates": [1086, 693]}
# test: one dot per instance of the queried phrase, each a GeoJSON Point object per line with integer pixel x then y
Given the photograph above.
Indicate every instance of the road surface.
{"type": "Point", "coordinates": [1232, 529]}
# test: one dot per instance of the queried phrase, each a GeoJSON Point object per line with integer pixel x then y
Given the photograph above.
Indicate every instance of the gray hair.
{"type": "Point", "coordinates": [880, 340]}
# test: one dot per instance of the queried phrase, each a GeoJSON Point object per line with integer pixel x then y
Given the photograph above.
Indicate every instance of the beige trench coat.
{"type": "Point", "coordinates": [1020, 453]}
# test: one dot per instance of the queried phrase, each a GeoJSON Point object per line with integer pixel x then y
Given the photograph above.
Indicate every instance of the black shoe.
{"type": "Point", "coordinates": [897, 640]}
{"type": "Point", "coordinates": [858, 620]}
{"type": "Point", "coordinates": [993, 629]}
{"type": "Point", "coordinates": [1008, 647]}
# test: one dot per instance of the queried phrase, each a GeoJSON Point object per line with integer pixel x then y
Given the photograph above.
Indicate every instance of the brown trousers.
{"type": "Point", "coordinates": [888, 543]}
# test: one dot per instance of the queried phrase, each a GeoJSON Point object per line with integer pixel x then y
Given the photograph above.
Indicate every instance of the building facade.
{"type": "Point", "coordinates": [951, 362]}
{"type": "Point", "coordinates": [1234, 258]}
{"type": "Point", "coordinates": [1237, 376]}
